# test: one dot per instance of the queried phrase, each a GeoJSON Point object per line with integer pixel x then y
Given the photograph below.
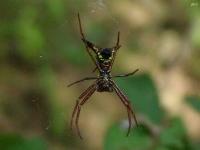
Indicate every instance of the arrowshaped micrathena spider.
{"type": "Point", "coordinates": [103, 83]}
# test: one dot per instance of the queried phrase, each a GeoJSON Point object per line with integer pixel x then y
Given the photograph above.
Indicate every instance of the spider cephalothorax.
{"type": "Point", "coordinates": [103, 82]}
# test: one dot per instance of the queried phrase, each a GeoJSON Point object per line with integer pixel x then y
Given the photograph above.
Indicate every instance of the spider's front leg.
{"type": "Point", "coordinates": [88, 44]}
{"type": "Point", "coordinates": [80, 102]}
{"type": "Point", "coordinates": [81, 80]}
{"type": "Point", "coordinates": [126, 75]}
{"type": "Point", "coordinates": [126, 103]}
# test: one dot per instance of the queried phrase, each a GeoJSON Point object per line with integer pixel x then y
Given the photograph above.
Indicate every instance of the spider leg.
{"type": "Point", "coordinates": [129, 122]}
{"type": "Point", "coordinates": [77, 102]}
{"type": "Point", "coordinates": [128, 111]}
{"type": "Point", "coordinates": [88, 44]}
{"type": "Point", "coordinates": [81, 80]}
{"type": "Point", "coordinates": [82, 102]}
{"type": "Point", "coordinates": [126, 103]}
{"type": "Point", "coordinates": [80, 27]}
{"type": "Point", "coordinates": [128, 74]}
{"type": "Point", "coordinates": [118, 36]}
{"type": "Point", "coordinates": [115, 48]}
{"type": "Point", "coordinates": [94, 69]}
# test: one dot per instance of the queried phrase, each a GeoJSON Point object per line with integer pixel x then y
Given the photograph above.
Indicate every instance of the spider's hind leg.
{"type": "Point", "coordinates": [127, 104]}
{"type": "Point", "coordinates": [83, 97]}
{"type": "Point", "coordinates": [79, 109]}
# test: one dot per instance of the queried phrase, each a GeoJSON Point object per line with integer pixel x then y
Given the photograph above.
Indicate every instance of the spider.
{"type": "Point", "coordinates": [103, 82]}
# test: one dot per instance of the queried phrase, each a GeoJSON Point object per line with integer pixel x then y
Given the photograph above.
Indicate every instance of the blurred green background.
{"type": "Point", "coordinates": [41, 53]}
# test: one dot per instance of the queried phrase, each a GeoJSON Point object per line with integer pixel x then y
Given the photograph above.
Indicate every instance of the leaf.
{"type": "Point", "coordinates": [29, 35]}
{"type": "Point", "coordinates": [194, 101]}
{"type": "Point", "coordinates": [16, 142]}
{"type": "Point", "coordinates": [76, 54]}
{"type": "Point", "coordinates": [143, 95]}
{"type": "Point", "coordinates": [56, 8]}
{"type": "Point", "coordinates": [162, 148]}
{"type": "Point", "coordinates": [175, 137]}
{"type": "Point", "coordinates": [138, 139]}
{"type": "Point", "coordinates": [195, 33]}
{"type": "Point", "coordinates": [196, 146]}
{"type": "Point", "coordinates": [56, 122]}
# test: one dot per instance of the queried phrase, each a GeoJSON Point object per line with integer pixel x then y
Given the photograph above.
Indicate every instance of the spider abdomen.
{"type": "Point", "coordinates": [104, 89]}
{"type": "Point", "coordinates": [104, 86]}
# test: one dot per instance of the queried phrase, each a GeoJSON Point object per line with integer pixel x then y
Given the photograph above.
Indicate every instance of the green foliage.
{"type": "Point", "coordinates": [44, 35]}
{"type": "Point", "coordinates": [56, 119]}
{"type": "Point", "coordinates": [29, 36]}
{"type": "Point", "coordinates": [195, 33]}
{"type": "Point", "coordinates": [174, 136]}
{"type": "Point", "coordinates": [143, 95]}
{"type": "Point", "coordinates": [76, 54]}
{"type": "Point", "coordinates": [196, 146]}
{"type": "Point", "coordinates": [193, 65]}
{"type": "Point", "coordinates": [56, 8]}
{"type": "Point", "coordinates": [194, 102]}
{"type": "Point", "coordinates": [171, 137]}
{"type": "Point", "coordinates": [16, 142]}
{"type": "Point", "coordinates": [117, 140]}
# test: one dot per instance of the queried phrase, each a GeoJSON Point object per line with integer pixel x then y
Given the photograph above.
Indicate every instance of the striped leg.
{"type": "Point", "coordinates": [127, 104]}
